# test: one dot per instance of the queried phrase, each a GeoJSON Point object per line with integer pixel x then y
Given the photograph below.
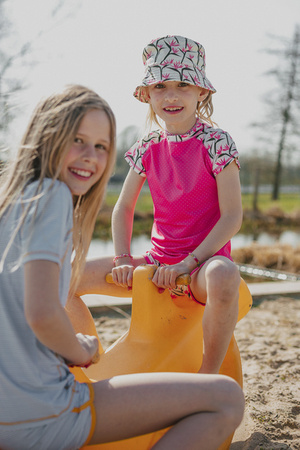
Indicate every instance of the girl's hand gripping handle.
{"type": "Point", "coordinates": [183, 279]}
{"type": "Point", "coordinates": [90, 344]}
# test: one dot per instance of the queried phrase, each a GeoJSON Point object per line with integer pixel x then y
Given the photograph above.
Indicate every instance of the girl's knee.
{"type": "Point", "coordinates": [221, 269]}
{"type": "Point", "coordinates": [223, 276]}
{"type": "Point", "coordinates": [234, 403]}
{"type": "Point", "coordinates": [235, 411]}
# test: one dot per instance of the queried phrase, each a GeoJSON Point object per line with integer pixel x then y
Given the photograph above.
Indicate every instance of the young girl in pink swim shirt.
{"type": "Point", "coordinates": [192, 170]}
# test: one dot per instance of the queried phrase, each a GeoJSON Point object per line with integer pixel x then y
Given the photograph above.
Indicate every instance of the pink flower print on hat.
{"type": "Point", "coordinates": [173, 58]}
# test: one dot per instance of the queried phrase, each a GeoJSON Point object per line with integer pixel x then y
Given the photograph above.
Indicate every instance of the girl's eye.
{"type": "Point", "coordinates": [159, 86]}
{"type": "Point", "coordinates": [183, 84]}
{"type": "Point", "coordinates": [78, 140]}
{"type": "Point", "coordinates": [101, 147]}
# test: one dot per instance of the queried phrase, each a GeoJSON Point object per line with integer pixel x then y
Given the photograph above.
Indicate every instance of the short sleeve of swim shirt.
{"type": "Point", "coordinates": [134, 156]}
{"type": "Point", "coordinates": [221, 148]}
{"type": "Point", "coordinates": [47, 231]}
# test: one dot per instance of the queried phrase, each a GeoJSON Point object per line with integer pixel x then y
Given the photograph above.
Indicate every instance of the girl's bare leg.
{"type": "Point", "coordinates": [218, 283]}
{"type": "Point", "coordinates": [204, 409]}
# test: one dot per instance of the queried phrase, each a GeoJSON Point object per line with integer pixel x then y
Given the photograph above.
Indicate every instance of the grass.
{"type": "Point", "coordinates": [144, 202]}
{"type": "Point", "coordinates": [287, 204]}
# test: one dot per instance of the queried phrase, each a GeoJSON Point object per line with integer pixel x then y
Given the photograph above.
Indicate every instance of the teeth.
{"type": "Point", "coordinates": [173, 109]}
{"type": "Point", "coordinates": [82, 173]}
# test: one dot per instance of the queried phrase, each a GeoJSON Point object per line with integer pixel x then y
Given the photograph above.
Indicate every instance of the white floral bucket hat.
{"type": "Point", "coordinates": [173, 58]}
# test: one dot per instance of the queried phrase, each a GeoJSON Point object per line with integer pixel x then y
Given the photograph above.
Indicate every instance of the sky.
{"type": "Point", "coordinates": [99, 44]}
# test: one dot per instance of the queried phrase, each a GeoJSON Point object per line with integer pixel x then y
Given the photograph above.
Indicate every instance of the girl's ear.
{"type": "Point", "coordinates": [203, 94]}
{"type": "Point", "coordinates": [145, 94]}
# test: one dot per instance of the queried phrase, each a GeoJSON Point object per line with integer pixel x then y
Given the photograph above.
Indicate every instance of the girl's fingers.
{"type": "Point", "coordinates": [90, 344]}
{"type": "Point", "coordinates": [122, 275]}
{"type": "Point", "coordinates": [165, 277]}
{"type": "Point", "coordinates": [170, 277]}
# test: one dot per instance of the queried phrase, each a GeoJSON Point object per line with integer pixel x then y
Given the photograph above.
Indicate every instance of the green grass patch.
{"type": "Point", "coordinates": [288, 203]}
{"type": "Point", "coordinates": [144, 202]}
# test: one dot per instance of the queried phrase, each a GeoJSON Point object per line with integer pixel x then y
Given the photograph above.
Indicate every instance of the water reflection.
{"type": "Point", "coordinates": [286, 237]}
{"type": "Point", "coordinates": [98, 247]}
{"type": "Point", "coordinates": [141, 244]}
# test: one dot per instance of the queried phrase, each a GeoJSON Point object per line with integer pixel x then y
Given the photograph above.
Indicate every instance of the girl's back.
{"type": "Point", "coordinates": [50, 237]}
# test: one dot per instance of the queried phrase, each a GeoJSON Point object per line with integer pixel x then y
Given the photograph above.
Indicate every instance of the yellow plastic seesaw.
{"type": "Point", "coordinates": [165, 335]}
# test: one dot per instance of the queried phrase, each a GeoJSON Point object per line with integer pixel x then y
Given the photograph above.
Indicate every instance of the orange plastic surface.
{"type": "Point", "coordinates": [165, 335]}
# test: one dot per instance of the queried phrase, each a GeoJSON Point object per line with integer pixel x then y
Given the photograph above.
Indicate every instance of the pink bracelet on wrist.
{"type": "Point", "coordinates": [195, 258]}
{"type": "Point", "coordinates": [124, 255]}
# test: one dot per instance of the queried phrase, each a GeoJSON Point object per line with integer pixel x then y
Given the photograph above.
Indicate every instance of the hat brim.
{"type": "Point", "coordinates": [154, 75]}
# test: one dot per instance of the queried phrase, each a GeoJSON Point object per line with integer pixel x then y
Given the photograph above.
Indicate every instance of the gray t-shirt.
{"type": "Point", "coordinates": [35, 384]}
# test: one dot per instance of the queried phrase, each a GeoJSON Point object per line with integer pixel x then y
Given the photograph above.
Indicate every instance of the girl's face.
{"type": "Point", "coordinates": [175, 102]}
{"type": "Point", "coordinates": [87, 157]}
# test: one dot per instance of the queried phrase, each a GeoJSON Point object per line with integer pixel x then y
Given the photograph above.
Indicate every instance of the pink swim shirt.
{"type": "Point", "coordinates": [181, 171]}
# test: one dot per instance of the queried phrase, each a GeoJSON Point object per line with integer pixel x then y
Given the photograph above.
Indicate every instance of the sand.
{"type": "Point", "coordinates": [269, 342]}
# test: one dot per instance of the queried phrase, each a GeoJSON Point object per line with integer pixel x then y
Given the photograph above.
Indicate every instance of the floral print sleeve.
{"type": "Point", "coordinates": [134, 156]}
{"type": "Point", "coordinates": [221, 149]}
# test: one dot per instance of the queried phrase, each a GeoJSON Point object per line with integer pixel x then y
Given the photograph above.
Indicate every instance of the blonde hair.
{"type": "Point", "coordinates": [49, 135]}
{"type": "Point", "coordinates": [204, 112]}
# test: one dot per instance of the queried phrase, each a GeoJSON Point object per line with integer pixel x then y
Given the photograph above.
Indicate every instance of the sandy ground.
{"type": "Point", "coordinates": [269, 342]}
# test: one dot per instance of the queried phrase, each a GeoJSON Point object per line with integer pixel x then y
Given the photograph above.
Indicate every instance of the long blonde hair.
{"type": "Point", "coordinates": [204, 112]}
{"type": "Point", "coordinates": [49, 135]}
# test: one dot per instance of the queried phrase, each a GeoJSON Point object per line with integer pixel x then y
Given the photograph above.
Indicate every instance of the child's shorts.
{"type": "Point", "coordinates": [71, 430]}
{"type": "Point", "coordinates": [179, 290]}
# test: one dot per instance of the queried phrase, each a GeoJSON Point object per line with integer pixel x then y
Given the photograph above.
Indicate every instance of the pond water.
{"type": "Point", "coordinates": [141, 244]}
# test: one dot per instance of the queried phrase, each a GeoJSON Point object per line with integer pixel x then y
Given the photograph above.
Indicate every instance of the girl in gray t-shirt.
{"type": "Point", "coordinates": [49, 200]}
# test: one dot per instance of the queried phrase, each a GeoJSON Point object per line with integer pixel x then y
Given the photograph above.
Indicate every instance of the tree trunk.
{"type": "Point", "coordinates": [286, 113]}
{"type": "Point", "coordinates": [256, 190]}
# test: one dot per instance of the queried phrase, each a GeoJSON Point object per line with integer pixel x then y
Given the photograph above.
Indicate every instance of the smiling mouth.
{"type": "Point", "coordinates": [173, 108]}
{"type": "Point", "coordinates": [82, 173]}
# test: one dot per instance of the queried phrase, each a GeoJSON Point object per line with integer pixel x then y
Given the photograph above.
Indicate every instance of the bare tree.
{"type": "Point", "coordinates": [7, 86]}
{"type": "Point", "coordinates": [286, 112]}
{"type": "Point", "coordinates": [283, 105]}
{"type": "Point", "coordinates": [11, 84]}
{"type": "Point", "coordinates": [255, 173]}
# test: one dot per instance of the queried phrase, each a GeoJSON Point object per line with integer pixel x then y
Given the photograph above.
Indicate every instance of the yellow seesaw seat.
{"type": "Point", "coordinates": [165, 335]}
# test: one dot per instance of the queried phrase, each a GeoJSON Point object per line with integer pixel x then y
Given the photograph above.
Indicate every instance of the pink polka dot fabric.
{"type": "Point", "coordinates": [181, 171]}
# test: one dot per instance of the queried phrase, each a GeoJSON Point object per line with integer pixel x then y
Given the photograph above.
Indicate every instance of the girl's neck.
{"type": "Point", "coordinates": [177, 130]}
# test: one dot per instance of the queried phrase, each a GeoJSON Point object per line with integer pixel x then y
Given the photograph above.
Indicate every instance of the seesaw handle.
{"type": "Point", "coordinates": [183, 279]}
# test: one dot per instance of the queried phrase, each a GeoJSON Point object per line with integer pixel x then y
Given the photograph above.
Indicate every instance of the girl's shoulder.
{"type": "Point", "coordinates": [47, 188]}
{"type": "Point", "coordinates": [49, 201]}
{"type": "Point", "coordinates": [220, 147]}
{"type": "Point", "coordinates": [211, 135]}
{"type": "Point", "coordinates": [134, 156]}
{"type": "Point", "coordinates": [51, 195]}
{"type": "Point", "coordinates": [153, 137]}
{"type": "Point", "coordinates": [217, 142]}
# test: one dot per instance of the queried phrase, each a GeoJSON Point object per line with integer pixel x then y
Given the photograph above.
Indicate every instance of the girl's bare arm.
{"type": "Point", "coordinates": [123, 213]}
{"type": "Point", "coordinates": [122, 223]}
{"type": "Point", "coordinates": [231, 213]}
{"type": "Point", "coordinates": [48, 319]}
